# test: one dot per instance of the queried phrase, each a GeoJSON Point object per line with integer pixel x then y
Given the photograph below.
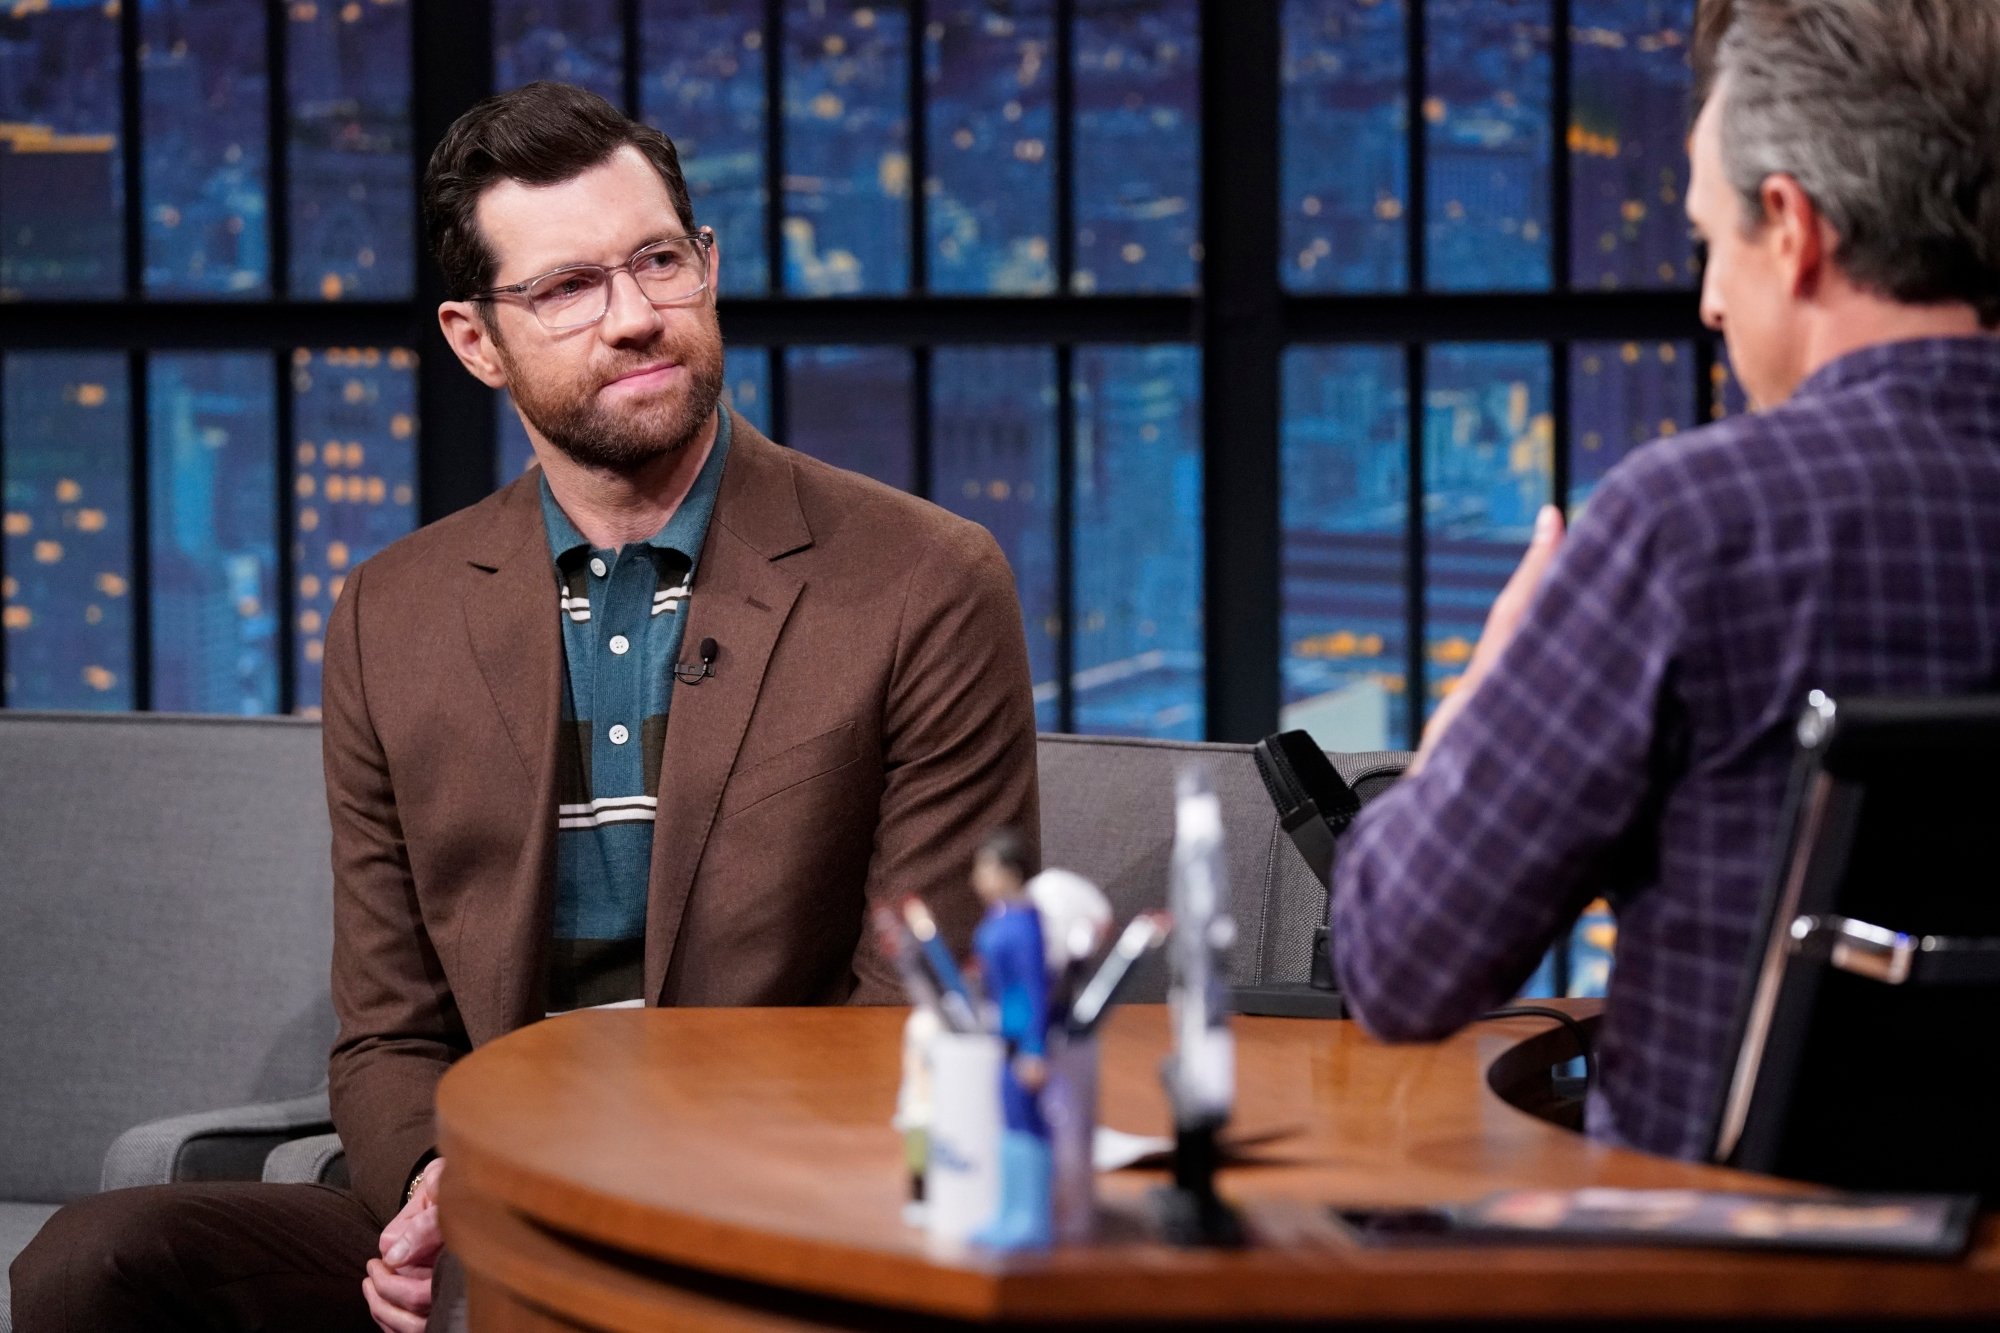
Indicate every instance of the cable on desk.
{"type": "Point", "coordinates": [1583, 1047]}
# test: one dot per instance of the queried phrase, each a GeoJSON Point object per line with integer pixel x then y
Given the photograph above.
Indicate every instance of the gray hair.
{"type": "Point", "coordinates": [1887, 113]}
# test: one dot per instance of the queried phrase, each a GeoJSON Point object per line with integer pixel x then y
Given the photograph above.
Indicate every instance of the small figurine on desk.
{"type": "Point", "coordinates": [1076, 921]}
{"type": "Point", "coordinates": [1201, 1073]}
{"type": "Point", "coordinates": [1013, 968]}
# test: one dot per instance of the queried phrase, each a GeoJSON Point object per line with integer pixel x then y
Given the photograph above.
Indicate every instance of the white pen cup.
{"type": "Point", "coordinates": [962, 1175]}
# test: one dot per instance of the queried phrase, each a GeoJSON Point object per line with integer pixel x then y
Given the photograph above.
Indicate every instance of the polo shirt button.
{"type": "Point", "coordinates": [619, 735]}
{"type": "Point", "coordinates": [597, 566]}
{"type": "Point", "coordinates": [619, 644]}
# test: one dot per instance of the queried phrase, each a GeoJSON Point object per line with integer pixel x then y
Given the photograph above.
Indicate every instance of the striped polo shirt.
{"type": "Point", "coordinates": [622, 614]}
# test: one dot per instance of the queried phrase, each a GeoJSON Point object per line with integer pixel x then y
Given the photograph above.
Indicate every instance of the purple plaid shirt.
{"type": "Point", "coordinates": [1635, 738]}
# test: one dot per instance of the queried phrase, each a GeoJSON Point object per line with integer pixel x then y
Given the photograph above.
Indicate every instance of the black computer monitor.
{"type": "Point", "coordinates": [1869, 1035]}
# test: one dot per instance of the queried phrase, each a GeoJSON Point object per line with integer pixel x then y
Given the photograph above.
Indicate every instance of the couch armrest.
{"type": "Point", "coordinates": [229, 1144]}
{"type": "Point", "coordinates": [319, 1160]}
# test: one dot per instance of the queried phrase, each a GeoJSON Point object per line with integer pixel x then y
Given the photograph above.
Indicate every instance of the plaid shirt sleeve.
{"type": "Point", "coordinates": [1449, 888]}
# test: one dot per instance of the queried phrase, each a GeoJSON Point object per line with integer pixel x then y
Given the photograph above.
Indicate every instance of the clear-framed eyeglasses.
{"type": "Point", "coordinates": [579, 294]}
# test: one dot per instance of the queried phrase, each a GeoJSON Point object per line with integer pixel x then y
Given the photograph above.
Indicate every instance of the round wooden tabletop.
{"type": "Point", "coordinates": [616, 1167]}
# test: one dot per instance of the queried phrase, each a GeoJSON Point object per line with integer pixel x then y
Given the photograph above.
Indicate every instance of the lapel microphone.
{"type": "Point", "coordinates": [694, 673]}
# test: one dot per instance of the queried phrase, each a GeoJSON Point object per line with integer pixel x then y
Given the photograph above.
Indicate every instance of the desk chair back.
{"type": "Point", "coordinates": [1867, 1035]}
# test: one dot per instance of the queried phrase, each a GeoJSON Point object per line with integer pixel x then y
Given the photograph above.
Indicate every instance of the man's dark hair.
{"type": "Point", "coordinates": [541, 134]}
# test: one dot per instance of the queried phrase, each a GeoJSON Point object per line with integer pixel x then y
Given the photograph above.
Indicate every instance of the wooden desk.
{"type": "Point", "coordinates": [648, 1169]}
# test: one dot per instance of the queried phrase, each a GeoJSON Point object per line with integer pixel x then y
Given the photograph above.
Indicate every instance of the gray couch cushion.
{"type": "Point", "coordinates": [18, 1224]}
{"type": "Point", "coordinates": [1108, 814]}
{"type": "Point", "coordinates": [165, 929]}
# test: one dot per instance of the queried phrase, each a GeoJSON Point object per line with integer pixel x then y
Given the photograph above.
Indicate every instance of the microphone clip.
{"type": "Point", "coordinates": [694, 673]}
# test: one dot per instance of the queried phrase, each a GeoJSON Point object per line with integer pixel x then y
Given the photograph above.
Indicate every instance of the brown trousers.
{"type": "Point", "coordinates": [216, 1256]}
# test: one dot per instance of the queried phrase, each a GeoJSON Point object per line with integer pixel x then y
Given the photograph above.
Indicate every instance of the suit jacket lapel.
{"type": "Point", "coordinates": [510, 619]}
{"type": "Point", "coordinates": [742, 599]}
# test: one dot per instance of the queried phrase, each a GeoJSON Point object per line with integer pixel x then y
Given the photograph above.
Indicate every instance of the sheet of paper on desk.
{"type": "Point", "coordinates": [1114, 1149]}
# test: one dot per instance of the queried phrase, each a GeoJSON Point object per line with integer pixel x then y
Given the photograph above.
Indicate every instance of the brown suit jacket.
{"type": "Point", "coordinates": [868, 722]}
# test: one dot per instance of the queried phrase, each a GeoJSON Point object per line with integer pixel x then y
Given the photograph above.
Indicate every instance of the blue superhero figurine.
{"type": "Point", "coordinates": [1013, 966]}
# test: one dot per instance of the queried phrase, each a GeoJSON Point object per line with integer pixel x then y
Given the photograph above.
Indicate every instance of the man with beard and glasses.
{"type": "Point", "coordinates": [658, 723]}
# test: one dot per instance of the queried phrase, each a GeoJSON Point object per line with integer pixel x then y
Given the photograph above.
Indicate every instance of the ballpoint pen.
{"type": "Point", "coordinates": [901, 948]}
{"type": "Point", "coordinates": [1143, 934]}
{"type": "Point", "coordinates": [954, 1000]}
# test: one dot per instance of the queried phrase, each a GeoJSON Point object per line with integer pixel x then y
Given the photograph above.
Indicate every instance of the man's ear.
{"type": "Point", "coordinates": [464, 327]}
{"type": "Point", "coordinates": [1799, 238]}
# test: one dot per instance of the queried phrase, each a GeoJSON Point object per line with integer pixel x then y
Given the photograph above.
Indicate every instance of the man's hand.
{"type": "Point", "coordinates": [398, 1285]}
{"type": "Point", "coordinates": [1031, 1071]}
{"type": "Point", "coordinates": [1501, 623]}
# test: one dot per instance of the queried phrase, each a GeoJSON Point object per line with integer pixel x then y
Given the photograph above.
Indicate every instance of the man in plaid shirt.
{"type": "Point", "coordinates": [1626, 726]}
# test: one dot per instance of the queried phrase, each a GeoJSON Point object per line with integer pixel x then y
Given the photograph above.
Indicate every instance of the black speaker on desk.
{"type": "Point", "coordinates": [1867, 1038]}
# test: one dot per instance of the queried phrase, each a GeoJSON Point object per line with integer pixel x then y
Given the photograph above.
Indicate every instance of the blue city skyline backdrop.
{"type": "Point", "coordinates": [66, 426]}
{"type": "Point", "coordinates": [231, 509]}
{"type": "Point", "coordinates": [213, 500]}
{"type": "Point", "coordinates": [1138, 146]}
{"type": "Point", "coordinates": [570, 41]}
{"type": "Point", "coordinates": [994, 461]}
{"type": "Point", "coordinates": [990, 207]}
{"type": "Point", "coordinates": [353, 184]}
{"type": "Point", "coordinates": [62, 177]}
{"type": "Point", "coordinates": [1344, 156]}
{"type": "Point", "coordinates": [354, 487]}
{"type": "Point", "coordinates": [205, 179]}
{"type": "Point", "coordinates": [847, 167]}
{"type": "Point", "coordinates": [1486, 124]}
{"type": "Point", "coordinates": [1628, 167]}
{"type": "Point", "coordinates": [705, 84]}
{"type": "Point", "coordinates": [988, 200]}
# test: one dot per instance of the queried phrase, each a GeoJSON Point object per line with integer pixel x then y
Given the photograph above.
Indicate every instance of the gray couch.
{"type": "Point", "coordinates": [165, 931]}
{"type": "Point", "coordinates": [165, 924]}
{"type": "Point", "coordinates": [1108, 814]}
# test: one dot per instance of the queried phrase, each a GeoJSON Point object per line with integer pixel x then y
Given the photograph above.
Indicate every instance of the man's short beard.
{"type": "Point", "coordinates": [577, 423]}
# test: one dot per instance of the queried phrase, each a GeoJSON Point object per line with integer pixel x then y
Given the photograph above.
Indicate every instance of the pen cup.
{"type": "Point", "coordinates": [962, 1177]}
{"type": "Point", "coordinates": [1069, 1104]}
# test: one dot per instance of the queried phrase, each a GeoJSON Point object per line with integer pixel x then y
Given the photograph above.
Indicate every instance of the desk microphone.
{"type": "Point", "coordinates": [694, 673]}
